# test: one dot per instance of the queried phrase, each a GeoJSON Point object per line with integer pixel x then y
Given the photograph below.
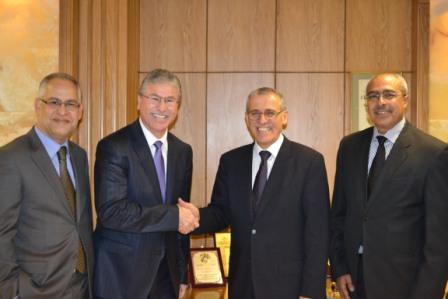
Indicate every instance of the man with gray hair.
{"type": "Point", "coordinates": [390, 204]}
{"type": "Point", "coordinates": [141, 171]}
{"type": "Point", "coordinates": [46, 248]}
{"type": "Point", "coordinates": [273, 194]}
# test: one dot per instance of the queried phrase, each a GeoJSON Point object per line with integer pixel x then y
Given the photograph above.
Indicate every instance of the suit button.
{"type": "Point", "coordinates": [254, 231]}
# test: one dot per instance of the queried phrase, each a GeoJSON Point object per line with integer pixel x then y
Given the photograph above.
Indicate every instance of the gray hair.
{"type": "Point", "coordinates": [64, 76]}
{"type": "Point", "coordinates": [403, 85]}
{"type": "Point", "coordinates": [265, 91]}
{"type": "Point", "coordinates": [160, 76]}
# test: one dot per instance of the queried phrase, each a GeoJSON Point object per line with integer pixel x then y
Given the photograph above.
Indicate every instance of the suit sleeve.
{"type": "Point", "coordinates": [215, 216]}
{"type": "Point", "coordinates": [316, 214]}
{"type": "Point", "coordinates": [115, 210]}
{"type": "Point", "coordinates": [433, 272]}
{"type": "Point", "coordinates": [184, 240]}
{"type": "Point", "coordinates": [10, 200]}
{"type": "Point", "coordinates": [338, 211]}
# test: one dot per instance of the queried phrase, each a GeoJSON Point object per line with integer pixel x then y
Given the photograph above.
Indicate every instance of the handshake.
{"type": "Point", "coordinates": [188, 217]}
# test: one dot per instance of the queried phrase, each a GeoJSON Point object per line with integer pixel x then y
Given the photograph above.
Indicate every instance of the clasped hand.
{"type": "Point", "coordinates": [188, 217]}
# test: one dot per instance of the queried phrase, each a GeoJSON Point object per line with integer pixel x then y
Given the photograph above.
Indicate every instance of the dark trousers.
{"type": "Point", "coordinates": [360, 289]}
{"type": "Point", "coordinates": [78, 288]}
{"type": "Point", "coordinates": [162, 288]}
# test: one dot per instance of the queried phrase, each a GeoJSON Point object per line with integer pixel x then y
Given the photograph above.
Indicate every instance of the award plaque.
{"type": "Point", "coordinates": [222, 241]}
{"type": "Point", "coordinates": [206, 267]}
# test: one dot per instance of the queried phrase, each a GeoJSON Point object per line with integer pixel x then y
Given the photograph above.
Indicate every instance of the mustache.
{"type": "Point", "coordinates": [382, 109]}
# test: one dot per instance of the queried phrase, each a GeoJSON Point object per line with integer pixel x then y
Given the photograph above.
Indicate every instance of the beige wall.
{"type": "Point", "coordinates": [28, 51]}
{"type": "Point", "coordinates": [438, 72]}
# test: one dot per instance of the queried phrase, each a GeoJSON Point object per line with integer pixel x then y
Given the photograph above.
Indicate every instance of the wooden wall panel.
{"type": "Point", "coordinates": [226, 106]}
{"type": "Point", "coordinates": [241, 35]}
{"type": "Point", "coordinates": [315, 114]}
{"type": "Point", "coordinates": [310, 35]}
{"type": "Point", "coordinates": [420, 65]}
{"type": "Point", "coordinates": [172, 35]}
{"type": "Point", "coordinates": [378, 35]}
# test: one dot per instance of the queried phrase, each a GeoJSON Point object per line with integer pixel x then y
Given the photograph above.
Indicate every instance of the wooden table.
{"type": "Point", "coordinates": [221, 293]}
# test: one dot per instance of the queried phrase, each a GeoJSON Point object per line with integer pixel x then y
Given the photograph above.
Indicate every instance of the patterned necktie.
{"type": "Point", "coordinates": [160, 168]}
{"type": "Point", "coordinates": [70, 194]}
{"type": "Point", "coordinates": [377, 164]}
{"type": "Point", "coordinates": [261, 177]}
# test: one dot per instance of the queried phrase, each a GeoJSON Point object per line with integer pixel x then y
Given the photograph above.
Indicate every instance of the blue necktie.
{"type": "Point", "coordinates": [160, 168]}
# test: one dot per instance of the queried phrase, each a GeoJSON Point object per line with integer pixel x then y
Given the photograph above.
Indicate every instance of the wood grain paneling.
{"type": "Point", "coordinates": [315, 114]}
{"type": "Point", "coordinates": [68, 37]}
{"type": "Point", "coordinates": [420, 65]}
{"type": "Point", "coordinates": [310, 35]}
{"type": "Point", "coordinates": [226, 106]}
{"type": "Point", "coordinates": [172, 35]}
{"type": "Point", "coordinates": [378, 35]}
{"type": "Point", "coordinates": [241, 35]}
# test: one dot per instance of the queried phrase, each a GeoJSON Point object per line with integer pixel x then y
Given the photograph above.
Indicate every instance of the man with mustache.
{"type": "Point", "coordinates": [140, 172]}
{"type": "Point", "coordinates": [46, 248]}
{"type": "Point", "coordinates": [390, 204]}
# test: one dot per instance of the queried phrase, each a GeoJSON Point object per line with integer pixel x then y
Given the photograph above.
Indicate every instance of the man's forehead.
{"type": "Point", "coordinates": [383, 84]}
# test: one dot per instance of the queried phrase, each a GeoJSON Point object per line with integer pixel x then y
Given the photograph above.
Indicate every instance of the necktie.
{"type": "Point", "coordinates": [261, 177]}
{"type": "Point", "coordinates": [160, 168]}
{"type": "Point", "coordinates": [377, 164]}
{"type": "Point", "coordinates": [71, 198]}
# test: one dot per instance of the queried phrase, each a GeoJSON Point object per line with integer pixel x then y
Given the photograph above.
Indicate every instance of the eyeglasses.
{"type": "Point", "coordinates": [268, 114]}
{"type": "Point", "coordinates": [156, 100]}
{"type": "Point", "coordinates": [388, 95]}
{"type": "Point", "coordinates": [55, 103]}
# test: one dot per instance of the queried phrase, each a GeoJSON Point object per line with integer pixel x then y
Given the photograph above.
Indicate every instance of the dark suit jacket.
{"type": "Point", "coordinates": [135, 229]}
{"type": "Point", "coordinates": [402, 226]}
{"type": "Point", "coordinates": [39, 236]}
{"type": "Point", "coordinates": [283, 250]}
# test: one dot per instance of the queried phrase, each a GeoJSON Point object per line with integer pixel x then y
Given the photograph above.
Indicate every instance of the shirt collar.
{"type": "Point", "coordinates": [393, 133]}
{"type": "Point", "coordinates": [150, 138]}
{"type": "Point", "coordinates": [273, 148]}
{"type": "Point", "coordinates": [51, 146]}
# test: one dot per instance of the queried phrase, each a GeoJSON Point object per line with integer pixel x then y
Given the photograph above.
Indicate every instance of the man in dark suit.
{"type": "Point", "coordinates": [46, 246]}
{"type": "Point", "coordinates": [274, 195]}
{"type": "Point", "coordinates": [388, 217]}
{"type": "Point", "coordinates": [139, 252]}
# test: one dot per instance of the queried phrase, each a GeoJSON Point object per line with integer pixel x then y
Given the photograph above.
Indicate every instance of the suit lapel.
{"type": "Point", "coordinates": [362, 164]}
{"type": "Point", "coordinates": [80, 188]}
{"type": "Point", "coordinates": [45, 165]}
{"type": "Point", "coordinates": [243, 175]}
{"type": "Point", "coordinates": [171, 165]}
{"type": "Point", "coordinates": [278, 176]}
{"type": "Point", "coordinates": [397, 156]}
{"type": "Point", "coordinates": [144, 154]}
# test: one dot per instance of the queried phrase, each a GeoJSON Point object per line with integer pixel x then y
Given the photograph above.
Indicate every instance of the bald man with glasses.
{"type": "Point", "coordinates": [390, 204]}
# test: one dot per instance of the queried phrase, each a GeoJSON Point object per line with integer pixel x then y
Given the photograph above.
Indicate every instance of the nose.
{"type": "Point", "coordinates": [162, 105]}
{"type": "Point", "coordinates": [62, 109]}
{"type": "Point", "coordinates": [381, 100]}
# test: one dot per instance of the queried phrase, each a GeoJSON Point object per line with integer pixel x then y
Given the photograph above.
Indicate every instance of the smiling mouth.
{"type": "Point", "coordinates": [159, 116]}
{"type": "Point", "coordinates": [263, 129]}
{"type": "Point", "coordinates": [382, 112]}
